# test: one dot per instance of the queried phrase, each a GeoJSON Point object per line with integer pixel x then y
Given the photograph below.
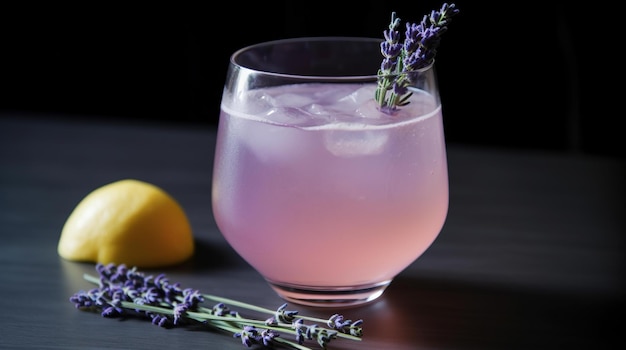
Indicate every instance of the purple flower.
{"type": "Point", "coordinates": [271, 322]}
{"type": "Point", "coordinates": [118, 274]}
{"type": "Point", "coordinates": [110, 312]}
{"type": "Point", "coordinates": [312, 331]}
{"type": "Point", "coordinates": [127, 292]}
{"type": "Point", "coordinates": [356, 328]}
{"type": "Point", "coordinates": [399, 89]}
{"type": "Point", "coordinates": [390, 50]}
{"type": "Point", "coordinates": [268, 336]}
{"type": "Point", "coordinates": [388, 65]}
{"type": "Point", "coordinates": [339, 323]}
{"type": "Point", "coordinates": [179, 312]}
{"type": "Point", "coordinates": [249, 335]}
{"type": "Point", "coordinates": [171, 291]}
{"type": "Point", "coordinates": [160, 320]}
{"type": "Point", "coordinates": [391, 35]}
{"type": "Point", "coordinates": [82, 300]}
{"type": "Point", "coordinates": [417, 51]}
{"type": "Point", "coordinates": [220, 309]}
{"type": "Point", "coordinates": [285, 316]}
{"type": "Point", "coordinates": [324, 337]}
{"type": "Point", "coordinates": [151, 295]}
{"type": "Point", "coordinates": [192, 297]}
{"type": "Point", "coordinates": [301, 330]}
{"type": "Point", "coordinates": [133, 294]}
{"type": "Point", "coordinates": [113, 310]}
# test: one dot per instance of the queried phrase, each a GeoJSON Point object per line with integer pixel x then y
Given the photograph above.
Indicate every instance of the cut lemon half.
{"type": "Point", "coordinates": [127, 222]}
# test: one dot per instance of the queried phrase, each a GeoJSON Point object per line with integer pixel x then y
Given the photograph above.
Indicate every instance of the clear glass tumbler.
{"type": "Point", "coordinates": [324, 194]}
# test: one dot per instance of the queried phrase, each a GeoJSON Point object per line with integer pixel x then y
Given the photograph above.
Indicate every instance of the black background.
{"type": "Point", "coordinates": [532, 74]}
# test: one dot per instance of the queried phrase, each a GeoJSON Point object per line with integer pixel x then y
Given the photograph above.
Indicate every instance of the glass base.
{"type": "Point", "coordinates": [329, 296]}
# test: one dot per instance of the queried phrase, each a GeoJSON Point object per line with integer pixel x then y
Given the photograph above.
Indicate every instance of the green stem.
{"type": "Point", "coordinates": [222, 322]}
{"type": "Point", "coordinates": [251, 307]}
{"type": "Point", "coordinates": [201, 316]}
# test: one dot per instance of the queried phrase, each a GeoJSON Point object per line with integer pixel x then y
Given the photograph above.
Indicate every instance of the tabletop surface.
{"type": "Point", "coordinates": [531, 255]}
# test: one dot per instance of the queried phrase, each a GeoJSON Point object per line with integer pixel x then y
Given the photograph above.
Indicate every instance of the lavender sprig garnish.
{"type": "Point", "coordinates": [402, 60]}
{"type": "Point", "coordinates": [126, 292]}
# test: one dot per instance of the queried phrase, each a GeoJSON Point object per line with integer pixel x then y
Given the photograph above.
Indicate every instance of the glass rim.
{"type": "Point", "coordinates": [355, 39]}
{"type": "Point", "coordinates": [338, 78]}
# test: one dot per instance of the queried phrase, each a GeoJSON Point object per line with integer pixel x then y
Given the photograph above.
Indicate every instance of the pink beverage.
{"type": "Point", "coordinates": [315, 188]}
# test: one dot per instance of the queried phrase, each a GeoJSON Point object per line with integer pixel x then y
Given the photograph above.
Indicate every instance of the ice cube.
{"type": "Point", "coordinates": [360, 96]}
{"type": "Point", "coordinates": [347, 102]}
{"type": "Point", "coordinates": [270, 142]}
{"type": "Point", "coordinates": [296, 117]}
{"type": "Point", "coordinates": [255, 103]}
{"type": "Point", "coordinates": [370, 111]}
{"type": "Point", "coordinates": [292, 100]}
{"type": "Point", "coordinates": [355, 141]}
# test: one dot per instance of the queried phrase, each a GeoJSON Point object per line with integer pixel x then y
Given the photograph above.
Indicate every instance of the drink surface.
{"type": "Point", "coordinates": [324, 106]}
{"type": "Point", "coordinates": [316, 174]}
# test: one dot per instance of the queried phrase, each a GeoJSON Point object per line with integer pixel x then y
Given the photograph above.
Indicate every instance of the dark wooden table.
{"type": "Point", "coordinates": [531, 256]}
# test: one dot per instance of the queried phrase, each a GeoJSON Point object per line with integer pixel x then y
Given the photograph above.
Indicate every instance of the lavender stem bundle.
{"type": "Point", "coordinates": [402, 61]}
{"type": "Point", "coordinates": [124, 292]}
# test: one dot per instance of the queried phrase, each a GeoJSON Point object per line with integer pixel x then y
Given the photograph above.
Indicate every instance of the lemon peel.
{"type": "Point", "coordinates": [128, 222]}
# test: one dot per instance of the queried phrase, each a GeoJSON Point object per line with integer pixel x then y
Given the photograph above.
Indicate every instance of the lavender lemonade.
{"type": "Point", "coordinates": [330, 174]}
{"type": "Point", "coordinates": [317, 187]}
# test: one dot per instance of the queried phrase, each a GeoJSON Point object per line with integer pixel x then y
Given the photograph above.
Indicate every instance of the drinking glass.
{"type": "Point", "coordinates": [326, 196]}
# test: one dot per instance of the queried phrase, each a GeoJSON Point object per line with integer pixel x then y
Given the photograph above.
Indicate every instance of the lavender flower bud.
{"type": "Point", "coordinates": [220, 309]}
{"type": "Point", "coordinates": [324, 337]}
{"type": "Point", "coordinates": [119, 275]}
{"type": "Point", "coordinates": [413, 36]}
{"type": "Point", "coordinates": [113, 310]}
{"type": "Point", "coordinates": [147, 282]}
{"type": "Point", "coordinates": [171, 291]}
{"type": "Point", "coordinates": [285, 316]}
{"type": "Point", "coordinates": [82, 300]}
{"type": "Point", "coordinates": [151, 295]}
{"type": "Point", "coordinates": [445, 13]}
{"type": "Point", "coordinates": [248, 335]}
{"type": "Point", "coordinates": [388, 65]}
{"type": "Point", "coordinates": [390, 50]}
{"type": "Point", "coordinates": [338, 322]}
{"type": "Point", "coordinates": [179, 312]}
{"type": "Point", "coordinates": [399, 89]}
{"type": "Point", "coordinates": [160, 320]}
{"type": "Point", "coordinates": [110, 312]}
{"type": "Point", "coordinates": [132, 294]}
{"type": "Point", "coordinates": [391, 35]}
{"type": "Point", "coordinates": [356, 328]}
{"type": "Point", "coordinates": [271, 322]}
{"type": "Point", "coordinates": [192, 297]}
{"type": "Point", "coordinates": [117, 293]}
{"type": "Point", "coordinates": [93, 294]}
{"type": "Point", "coordinates": [301, 330]}
{"type": "Point", "coordinates": [268, 336]}
{"type": "Point", "coordinates": [332, 320]}
{"type": "Point", "coordinates": [312, 331]}
{"type": "Point", "coordinates": [106, 270]}
{"type": "Point", "coordinates": [161, 280]}
{"type": "Point", "coordinates": [395, 21]}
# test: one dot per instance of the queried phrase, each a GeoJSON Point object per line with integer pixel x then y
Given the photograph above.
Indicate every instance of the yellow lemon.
{"type": "Point", "coordinates": [127, 222]}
